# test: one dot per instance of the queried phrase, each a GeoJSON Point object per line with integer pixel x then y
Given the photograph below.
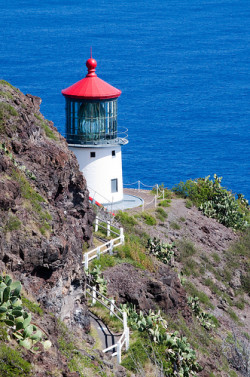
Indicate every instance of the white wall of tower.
{"type": "Point", "coordinates": [100, 169]}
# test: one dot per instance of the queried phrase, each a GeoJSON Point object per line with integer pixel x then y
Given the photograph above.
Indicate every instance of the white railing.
{"type": "Point", "coordinates": [139, 185]}
{"type": "Point", "coordinates": [159, 193]}
{"type": "Point", "coordinates": [106, 247]}
{"type": "Point", "coordinates": [124, 339]}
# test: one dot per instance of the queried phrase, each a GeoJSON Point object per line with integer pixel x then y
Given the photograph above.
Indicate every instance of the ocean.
{"type": "Point", "coordinates": [182, 66]}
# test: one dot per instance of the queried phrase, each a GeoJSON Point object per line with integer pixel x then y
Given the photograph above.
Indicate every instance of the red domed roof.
{"type": "Point", "coordinates": [91, 87]}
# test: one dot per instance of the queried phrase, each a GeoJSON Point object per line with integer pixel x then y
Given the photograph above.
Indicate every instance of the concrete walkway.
{"type": "Point", "coordinates": [107, 337]}
{"type": "Point", "coordinates": [145, 195]}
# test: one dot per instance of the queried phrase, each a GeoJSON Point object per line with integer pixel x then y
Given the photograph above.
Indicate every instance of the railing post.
{"type": "Point", "coordinates": [98, 253]}
{"type": "Point", "coordinates": [139, 185]}
{"type": "Point", "coordinates": [108, 228]}
{"type": "Point", "coordinates": [127, 338]}
{"type": "Point", "coordinates": [155, 200]}
{"type": "Point", "coordinates": [111, 313]}
{"type": "Point", "coordinates": [94, 296]}
{"type": "Point", "coordinates": [124, 320]}
{"type": "Point", "coordinates": [111, 247]}
{"type": "Point", "coordinates": [122, 236]}
{"type": "Point", "coordinates": [119, 356]}
{"type": "Point", "coordinates": [86, 261]}
{"type": "Point", "coordinates": [157, 188]}
{"type": "Point", "coordinates": [96, 224]}
{"type": "Point", "coordinates": [163, 193]}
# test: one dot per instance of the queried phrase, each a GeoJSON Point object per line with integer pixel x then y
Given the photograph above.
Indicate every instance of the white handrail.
{"type": "Point", "coordinates": [124, 339]}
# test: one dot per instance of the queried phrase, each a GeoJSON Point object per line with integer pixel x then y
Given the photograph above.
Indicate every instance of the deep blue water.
{"type": "Point", "coordinates": [183, 68]}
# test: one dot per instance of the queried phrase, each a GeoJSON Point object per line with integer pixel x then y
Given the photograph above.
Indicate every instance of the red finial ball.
{"type": "Point", "coordinates": [91, 63]}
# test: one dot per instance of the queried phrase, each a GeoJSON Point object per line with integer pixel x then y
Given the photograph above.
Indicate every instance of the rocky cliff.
{"type": "Point", "coordinates": [45, 214]}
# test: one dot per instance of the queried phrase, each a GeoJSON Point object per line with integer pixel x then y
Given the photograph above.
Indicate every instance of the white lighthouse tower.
{"type": "Point", "coordinates": [92, 134]}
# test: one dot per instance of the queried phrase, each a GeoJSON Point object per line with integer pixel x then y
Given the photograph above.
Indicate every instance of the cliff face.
{"type": "Point", "coordinates": [45, 216]}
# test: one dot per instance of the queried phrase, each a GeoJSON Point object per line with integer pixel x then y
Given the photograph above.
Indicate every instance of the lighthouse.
{"type": "Point", "coordinates": [92, 134]}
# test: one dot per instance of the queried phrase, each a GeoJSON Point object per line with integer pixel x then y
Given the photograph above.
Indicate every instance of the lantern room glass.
{"type": "Point", "coordinates": [91, 121]}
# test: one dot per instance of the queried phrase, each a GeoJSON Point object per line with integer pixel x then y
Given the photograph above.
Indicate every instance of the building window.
{"type": "Point", "coordinates": [113, 153]}
{"type": "Point", "coordinates": [92, 154]}
{"type": "Point", "coordinates": [114, 185]}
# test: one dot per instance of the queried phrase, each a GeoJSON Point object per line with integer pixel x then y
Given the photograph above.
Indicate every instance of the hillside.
{"type": "Point", "coordinates": [46, 226]}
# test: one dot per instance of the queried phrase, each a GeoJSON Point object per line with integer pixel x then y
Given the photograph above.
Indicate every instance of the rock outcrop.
{"type": "Point", "coordinates": [147, 290]}
{"type": "Point", "coordinates": [45, 217]}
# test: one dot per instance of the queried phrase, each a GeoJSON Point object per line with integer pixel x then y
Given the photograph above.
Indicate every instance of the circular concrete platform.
{"type": "Point", "coordinates": [129, 201]}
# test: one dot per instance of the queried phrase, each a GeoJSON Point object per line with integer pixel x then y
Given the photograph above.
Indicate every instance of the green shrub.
{"type": "Point", "coordinates": [148, 219]}
{"type": "Point", "coordinates": [137, 356]}
{"type": "Point", "coordinates": [161, 213]}
{"type": "Point", "coordinates": [133, 252]}
{"type": "Point", "coordinates": [126, 220]}
{"type": "Point", "coordinates": [175, 226]}
{"type": "Point", "coordinates": [31, 306]}
{"type": "Point", "coordinates": [189, 203]}
{"type": "Point", "coordinates": [104, 261]}
{"type": "Point", "coordinates": [164, 203]}
{"type": "Point", "coordinates": [193, 291]}
{"type": "Point", "coordinates": [233, 315]}
{"type": "Point", "coordinates": [13, 223]}
{"type": "Point", "coordinates": [12, 363]}
{"type": "Point", "coordinates": [190, 268]}
{"type": "Point", "coordinates": [216, 257]}
{"type": "Point", "coordinates": [186, 248]}
{"type": "Point", "coordinates": [240, 304]}
{"type": "Point", "coordinates": [215, 201]}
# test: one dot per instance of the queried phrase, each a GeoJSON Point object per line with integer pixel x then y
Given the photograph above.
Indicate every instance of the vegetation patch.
{"type": "Point", "coordinates": [35, 200]}
{"type": "Point", "coordinates": [189, 203]}
{"type": "Point", "coordinates": [148, 219]}
{"type": "Point", "coordinates": [186, 249]}
{"type": "Point", "coordinates": [127, 221]}
{"type": "Point", "coordinates": [193, 291]}
{"type": "Point", "coordinates": [16, 318]}
{"type": "Point", "coordinates": [133, 252]}
{"type": "Point", "coordinates": [6, 95]}
{"type": "Point", "coordinates": [164, 203]}
{"type": "Point", "coordinates": [77, 362]}
{"type": "Point", "coordinates": [6, 83]}
{"type": "Point", "coordinates": [162, 251]}
{"type": "Point", "coordinates": [174, 346]}
{"type": "Point", "coordinates": [174, 226]}
{"type": "Point", "coordinates": [31, 306]}
{"type": "Point", "coordinates": [191, 268]}
{"type": "Point", "coordinates": [48, 131]}
{"type": "Point", "coordinates": [12, 363]}
{"type": "Point", "coordinates": [215, 201]}
{"type": "Point", "coordinates": [13, 223]}
{"type": "Point", "coordinates": [205, 319]}
{"type": "Point", "coordinates": [6, 111]}
{"type": "Point", "coordinates": [161, 214]}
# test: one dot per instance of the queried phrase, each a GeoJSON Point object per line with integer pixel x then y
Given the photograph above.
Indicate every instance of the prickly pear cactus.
{"type": "Point", "coordinates": [15, 317]}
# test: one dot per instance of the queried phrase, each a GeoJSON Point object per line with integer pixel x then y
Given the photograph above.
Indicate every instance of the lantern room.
{"type": "Point", "coordinates": [92, 133]}
{"type": "Point", "coordinates": [91, 109]}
